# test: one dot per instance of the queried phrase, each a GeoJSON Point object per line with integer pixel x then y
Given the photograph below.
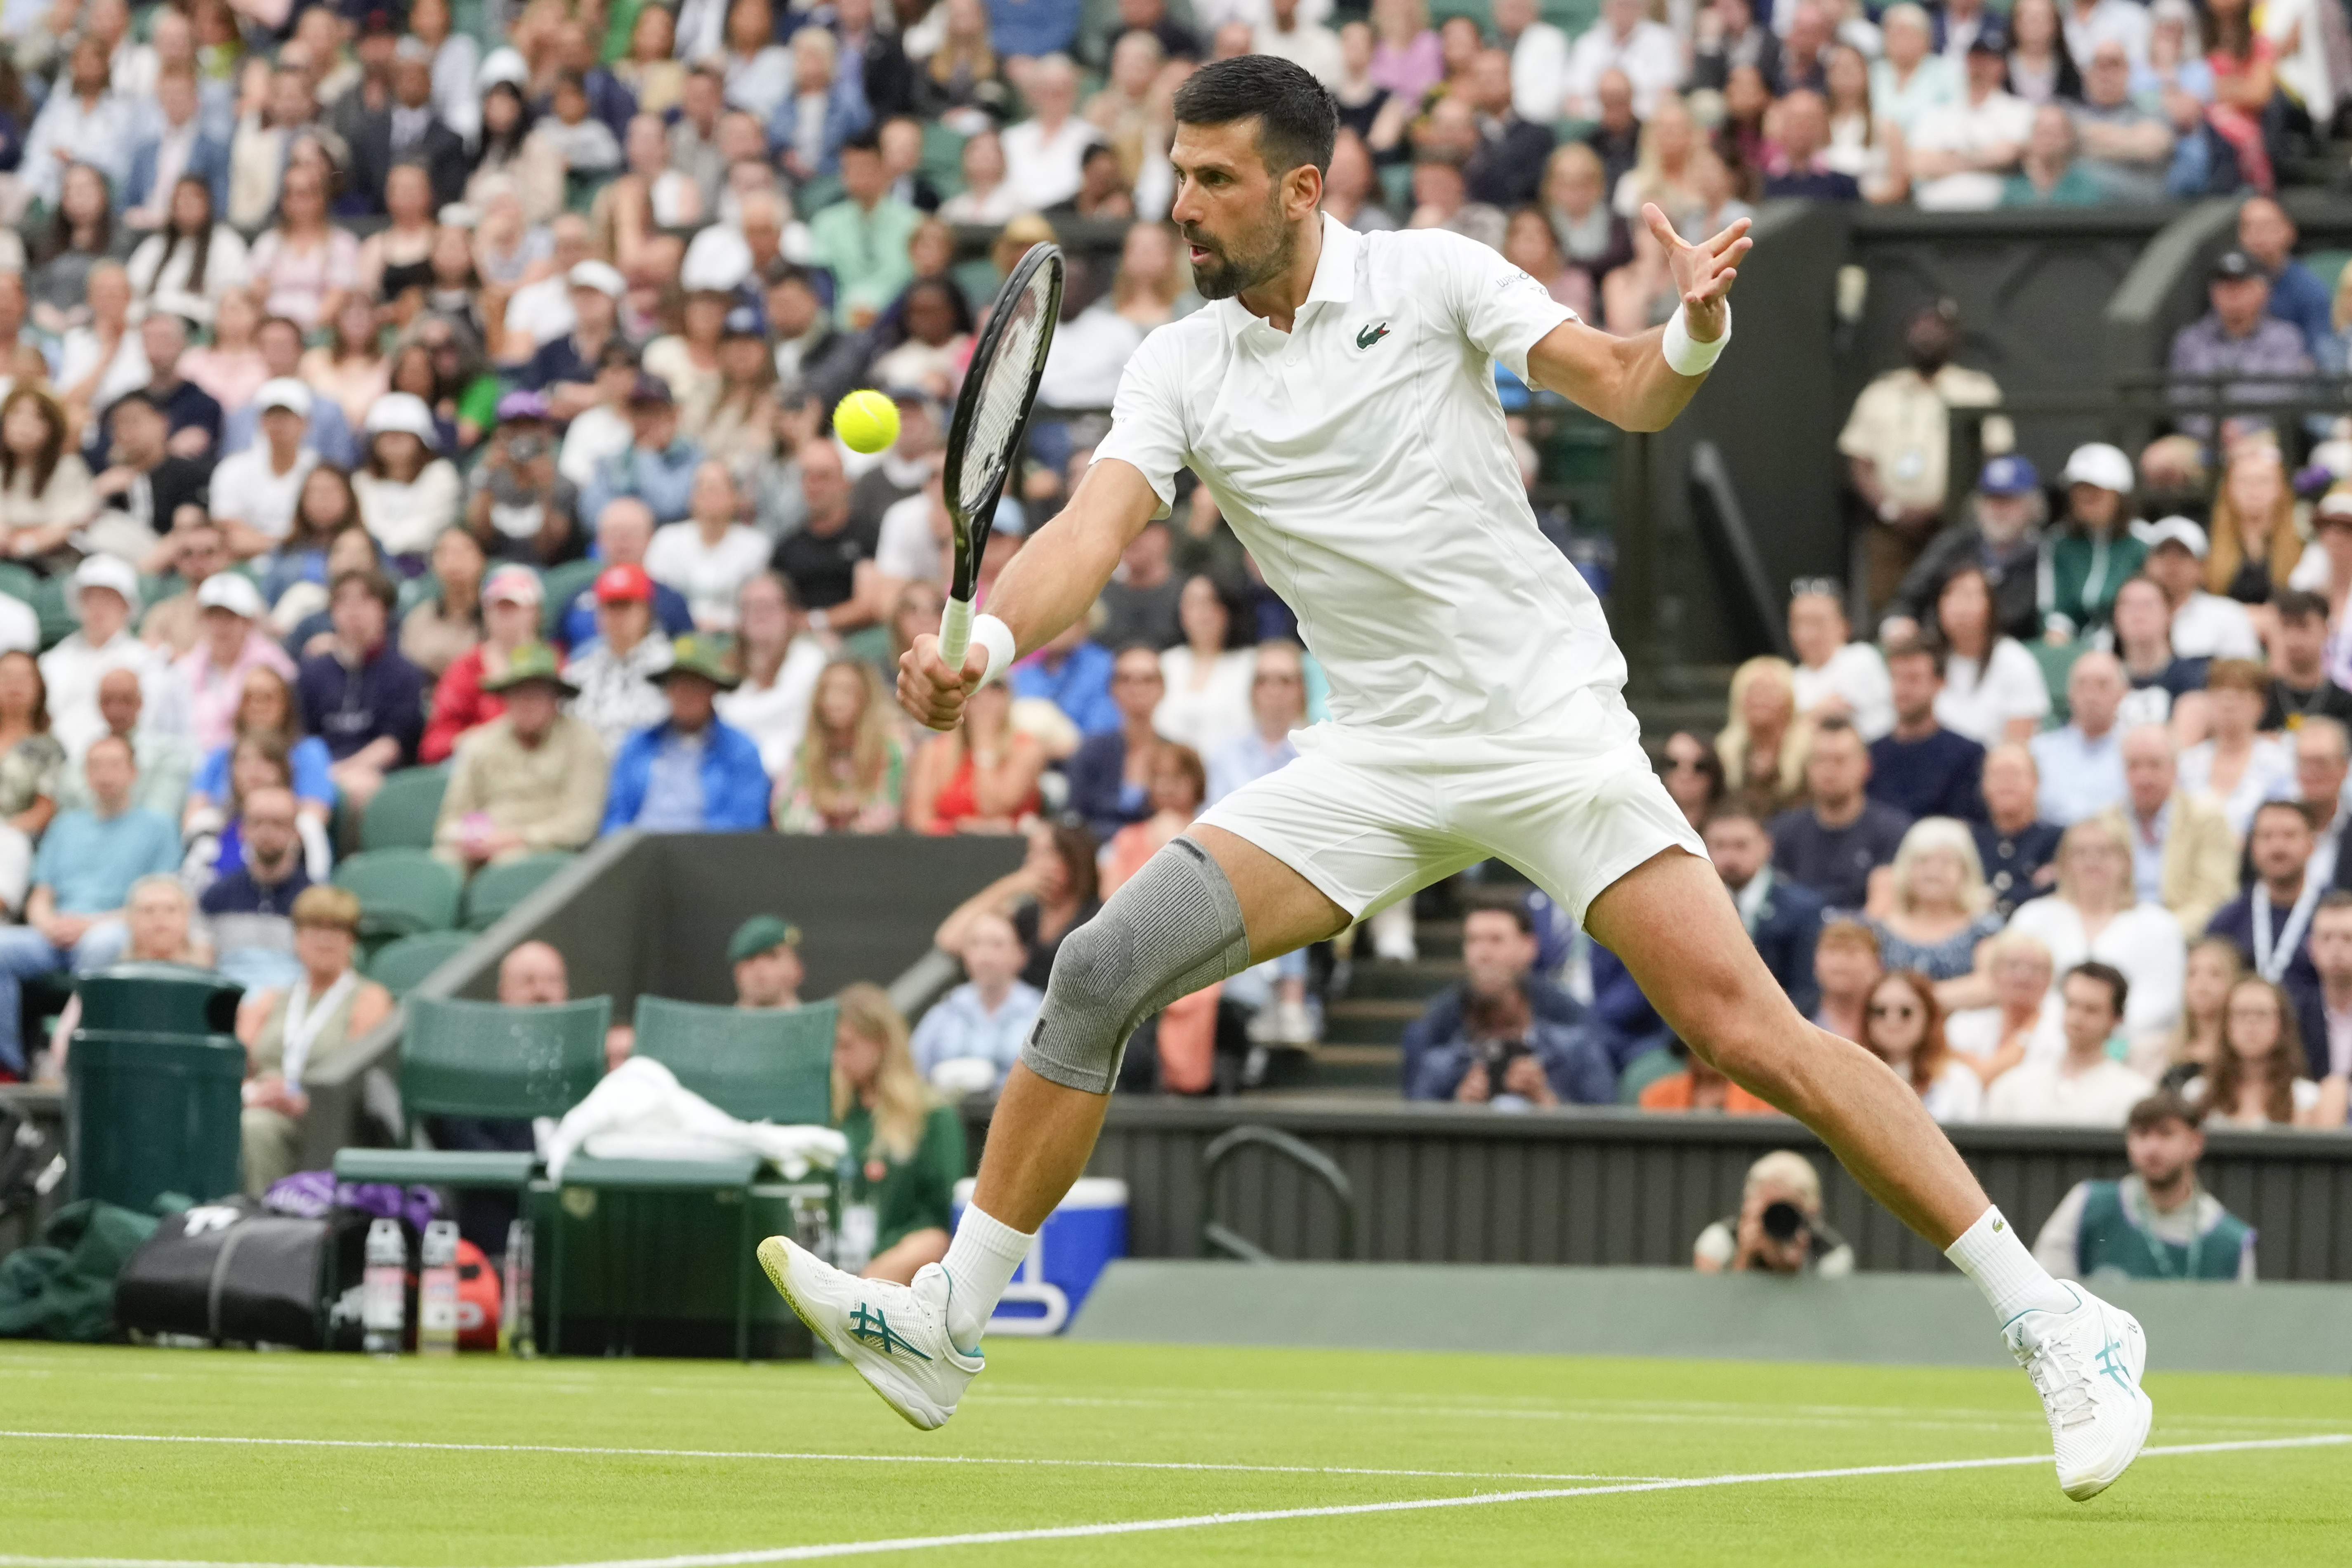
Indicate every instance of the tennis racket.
{"type": "Point", "coordinates": [990, 414]}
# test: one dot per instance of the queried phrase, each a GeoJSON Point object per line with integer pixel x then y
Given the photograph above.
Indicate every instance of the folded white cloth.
{"type": "Point", "coordinates": [640, 1112]}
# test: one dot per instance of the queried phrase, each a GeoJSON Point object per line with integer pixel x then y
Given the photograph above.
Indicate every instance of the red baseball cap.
{"type": "Point", "coordinates": [616, 584]}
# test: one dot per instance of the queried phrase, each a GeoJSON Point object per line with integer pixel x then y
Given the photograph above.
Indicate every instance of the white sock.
{"type": "Point", "coordinates": [1990, 1253]}
{"type": "Point", "coordinates": [980, 1264]}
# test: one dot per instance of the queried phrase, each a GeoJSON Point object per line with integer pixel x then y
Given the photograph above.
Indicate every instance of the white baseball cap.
{"type": "Point", "coordinates": [401, 411]}
{"type": "Point", "coordinates": [2102, 465]}
{"type": "Point", "coordinates": [105, 572]}
{"type": "Point", "coordinates": [601, 276]}
{"type": "Point", "coordinates": [284, 392]}
{"type": "Point", "coordinates": [233, 592]}
{"type": "Point", "coordinates": [2174, 530]}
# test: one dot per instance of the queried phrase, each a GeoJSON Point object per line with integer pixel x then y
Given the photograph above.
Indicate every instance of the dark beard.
{"type": "Point", "coordinates": [1228, 275]}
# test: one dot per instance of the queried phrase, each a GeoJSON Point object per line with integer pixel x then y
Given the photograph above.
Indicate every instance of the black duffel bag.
{"type": "Point", "coordinates": [231, 1272]}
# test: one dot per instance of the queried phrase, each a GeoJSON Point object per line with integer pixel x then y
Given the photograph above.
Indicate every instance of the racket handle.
{"type": "Point", "coordinates": [955, 632]}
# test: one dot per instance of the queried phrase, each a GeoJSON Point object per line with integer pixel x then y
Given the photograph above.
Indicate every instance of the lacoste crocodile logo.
{"type": "Point", "coordinates": [1371, 335]}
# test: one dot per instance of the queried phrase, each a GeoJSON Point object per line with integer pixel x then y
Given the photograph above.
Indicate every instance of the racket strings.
{"type": "Point", "coordinates": [1004, 389]}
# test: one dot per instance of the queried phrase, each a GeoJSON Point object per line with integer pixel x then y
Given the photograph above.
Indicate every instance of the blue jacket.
{"type": "Point", "coordinates": [578, 628]}
{"type": "Point", "coordinates": [734, 785]}
{"type": "Point", "coordinates": [208, 158]}
{"type": "Point", "coordinates": [846, 114]}
{"type": "Point", "coordinates": [1441, 1022]}
{"type": "Point", "coordinates": [1080, 689]}
{"type": "Point", "coordinates": [664, 480]}
{"type": "Point", "coordinates": [1787, 927]}
{"type": "Point", "coordinates": [1573, 1058]}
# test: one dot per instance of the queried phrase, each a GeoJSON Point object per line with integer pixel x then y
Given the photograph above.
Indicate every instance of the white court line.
{"type": "Point", "coordinates": [808, 1458]}
{"type": "Point", "coordinates": [1258, 1516]}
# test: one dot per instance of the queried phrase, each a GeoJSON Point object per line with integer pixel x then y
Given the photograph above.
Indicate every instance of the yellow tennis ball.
{"type": "Point", "coordinates": [867, 420]}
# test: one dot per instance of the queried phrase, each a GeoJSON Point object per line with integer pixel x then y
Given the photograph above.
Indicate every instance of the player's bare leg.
{"type": "Point", "coordinates": [1675, 928]}
{"type": "Point", "coordinates": [1204, 907]}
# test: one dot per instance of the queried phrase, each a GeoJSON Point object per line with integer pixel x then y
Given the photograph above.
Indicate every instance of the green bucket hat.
{"type": "Point", "coordinates": [532, 661]}
{"type": "Point", "coordinates": [692, 655]}
{"type": "Point", "coordinates": [761, 933]}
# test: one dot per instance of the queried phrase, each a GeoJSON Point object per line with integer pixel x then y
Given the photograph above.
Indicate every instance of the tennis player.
{"type": "Point", "coordinates": [1337, 398]}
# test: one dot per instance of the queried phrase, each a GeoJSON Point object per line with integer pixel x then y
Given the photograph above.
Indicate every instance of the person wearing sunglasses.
{"type": "Point", "coordinates": [1903, 1027]}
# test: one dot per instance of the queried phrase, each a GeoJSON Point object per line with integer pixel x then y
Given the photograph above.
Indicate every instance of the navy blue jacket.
{"type": "Point", "coordinates": [1573, 1059]}
{"type": "Point", "coordinates": [2235, 920]}
{"type": "Point", "coordinates": [578, 627]}
{"type": "Point", "coordinates": [1787, 927]}
{"type": "Point", "coordinates": [1094, 771]}
{"type": "Point", "coordinates": [1441, 1022]}
{"type": "Point", "coordinates": [347, 709]}
{"type": "Point", "coordinates": [1939, 775]}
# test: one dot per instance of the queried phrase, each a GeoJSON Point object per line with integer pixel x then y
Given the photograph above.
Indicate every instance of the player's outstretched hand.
{"type": "Point", "coordinates": [932, 692]}
{"type": "Point", "coordinates": [1703, 273]}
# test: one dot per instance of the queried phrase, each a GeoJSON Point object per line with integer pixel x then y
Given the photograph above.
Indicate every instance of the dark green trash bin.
{"type": "Point", "coordinates": [152, 1086]}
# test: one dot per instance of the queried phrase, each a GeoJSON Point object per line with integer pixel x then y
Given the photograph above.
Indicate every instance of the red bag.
{"type": "Point", "coordinates": [477, 1299]}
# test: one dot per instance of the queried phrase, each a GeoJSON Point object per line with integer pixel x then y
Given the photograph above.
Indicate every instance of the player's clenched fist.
{"type": "Point", "coordinates": [932, 692]}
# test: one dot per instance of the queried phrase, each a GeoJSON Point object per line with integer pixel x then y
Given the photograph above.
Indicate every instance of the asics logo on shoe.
{"type": "Point", "coordinates": [870, 1327]}
{"type": "Point", "coordinates": [2114, 1368]}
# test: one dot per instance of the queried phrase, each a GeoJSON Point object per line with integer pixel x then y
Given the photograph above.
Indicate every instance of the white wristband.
{"type": "Point", "coordinates": [1685, 355]}
{"type": "Point", "coordinates": [997, 638]}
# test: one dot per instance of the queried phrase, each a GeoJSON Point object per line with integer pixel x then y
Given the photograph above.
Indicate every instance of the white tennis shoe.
{"type": "Point", "coordinates": [2086, 1366]}
{"type": "Point", "coordinates": [894, 1335]}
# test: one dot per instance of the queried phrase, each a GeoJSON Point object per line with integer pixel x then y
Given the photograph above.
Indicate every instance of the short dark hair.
{"type": "Point", "coordinates": [1296, 120]}
{"type": "Point", "coordinates": [867, 140]}
{"type": "Point", "coordinates": [2335, 899]}
{"type": "Point", "coordinates": [2294, 806]}
{"type": "Point", "coordinates": [2299, 605]}
{"type": "Point", "coordinates": [2164, 1105]}
{"type": "Point", "coordinates": [378, 585]}
{"type": "Point", "coordinates": [2107, 974]}
{"type": "Point", "coordinates": [1836, 725]}
{"type": "Point", "coordinates": [1731, 811]}
{"type": "Point", "coordinates": [1918, 648]}
{"type": "Point", "coordinates": [1514, 910]}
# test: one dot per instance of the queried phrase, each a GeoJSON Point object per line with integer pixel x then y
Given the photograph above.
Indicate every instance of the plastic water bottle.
{"type": "Point", "coordinates": [514, 1317]}
{"type": "Point", "coordinates": [383, 1288]}
{"type": "Point", "coordinates": [437, 1292]}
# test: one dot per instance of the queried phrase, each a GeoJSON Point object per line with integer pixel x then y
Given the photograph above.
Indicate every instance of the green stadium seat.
{"type": "Point", "coordinates": [399, 967]}
{"type": "Point", "coordinates": [942, 158]}
{"type": "Point", "coordinates": [403, 811]}
{"type": "Point", "coordinates": [758, 1065]}
{"type": "Point", "coordinates": [401, 891]}
{"type": "Point", "coordinates": [1644, 1070]}
{"type": "Point", "coordinates": [495, 889]}
{"type": "Point", "coordinates": [561, 585]}
{"type": "Point", "coordinates": [48, 602]}
{"type": "Point", "coordinates": [2055, 660]}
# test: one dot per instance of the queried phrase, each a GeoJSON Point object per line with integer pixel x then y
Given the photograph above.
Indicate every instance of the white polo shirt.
{"type": "Point", "coordinates": [1362, 458]}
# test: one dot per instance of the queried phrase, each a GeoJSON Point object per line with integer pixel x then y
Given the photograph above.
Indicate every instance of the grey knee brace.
{"type": "Point", "coordinates": [1173, 928]}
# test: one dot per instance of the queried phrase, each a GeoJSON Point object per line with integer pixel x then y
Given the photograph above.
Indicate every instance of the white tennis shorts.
{"type": "Point", "coordinates": [1370, 818]}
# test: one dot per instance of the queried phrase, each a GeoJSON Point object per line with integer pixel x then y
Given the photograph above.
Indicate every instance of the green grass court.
{"type": "Point", "coordinates": [338, 1460]}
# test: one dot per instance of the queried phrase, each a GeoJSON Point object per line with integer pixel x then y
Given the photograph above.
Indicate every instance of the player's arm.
{"type": "Point", "coordinates": [1053, 581]}
{"type": "Point", "coordinates": [1628, 380]}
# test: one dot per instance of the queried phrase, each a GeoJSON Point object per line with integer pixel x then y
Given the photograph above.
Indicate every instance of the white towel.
{"type": "Point", "coordinates": [641, 1112]}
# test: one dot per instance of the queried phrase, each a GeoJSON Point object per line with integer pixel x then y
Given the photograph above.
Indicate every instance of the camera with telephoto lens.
{"type": "Point", "coordinates": [1498, 1056]}
{"type": "Point", "coordinates": [1783, 1221]}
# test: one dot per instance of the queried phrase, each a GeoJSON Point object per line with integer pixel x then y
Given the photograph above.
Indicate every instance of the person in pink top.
{"type": "Point", "coordinates": [1407, 59]}
{"type": "Point", "coordinates": [233, 643]}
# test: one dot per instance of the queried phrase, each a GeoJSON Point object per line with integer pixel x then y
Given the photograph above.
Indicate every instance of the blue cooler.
{"type": "Point", "coordinates": [1073, 1245]}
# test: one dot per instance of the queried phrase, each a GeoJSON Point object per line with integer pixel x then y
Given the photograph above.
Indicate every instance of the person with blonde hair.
{"type": "Point", "coordinates": [2021, 1018]}
{"type": "Point", "coordinates": [329, 1009]}
{"type": "Point", "coordinates": [2095, 913]}
{"type": "Point", "coordinates": [2253, 545]}
{"type": "Point", "coordinates": [906, 1147]}
{"type": "Point", "coordinates": [848, 772]}
{"type": "Point", "coordinates": [1942, 908]}
{"type": "Point", "coordinates": [2193, 1044]}
{"type": "Point", "coordinates": [1757, 1238]}
{"type": "Point", "coordinates": [2236, 767]}
{"type": "Point", "coordinates": [1762, 743]}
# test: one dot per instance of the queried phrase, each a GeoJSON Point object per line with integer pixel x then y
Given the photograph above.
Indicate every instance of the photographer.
{"type": "Point", "coordinates": [1504, 1055]}
{"type": "Point", "coordinates": [1779, 1228]}
{"type": "Point", "coordinates": [521, 509]}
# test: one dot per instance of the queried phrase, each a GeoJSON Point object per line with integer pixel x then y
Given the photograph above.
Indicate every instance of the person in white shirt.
{"type": "Point", "coordinates": [254, 492]}
{"type": "Point", "coordinates": [779, 660]}
{"type": "Point", "coordinates": [2236, 767]}
{"type": "Point", "coordinates": [2089, 23]}
{"type": "Point", "coordinates": [1208, 700]}
{"type": "Point", "coordinates": [2204, 626]}
{"type": "Point", "coordinates": [84, 122]}
{"type": "Point", "coordinates": [2095, 913]}
{"type": "Point", "coordinates": [1649, 53]}
{"type": "Point", "coordinates": [1309, 44]}
{"type": "Point", "coordinates": [1538, 60]}
{"type": "Point", "coordinates": [710, 555]}
{"type": "Point", "coordinates": [1278, 712]}
{"type": "Point", "coordinates": [1961, 153]}
{"type": "Point", "coordinates": [1476, 701]}
{"type": "Point", "coordinates": [1834, 674]}
{"type": "Point", "coordinates": [103, 590]}
{"type": "Point", "coordinates": [2086, 1087]}
{"type": "Point", "coordinates": [1993, 690]}
{"type": "Point", "coordinates": [2020, 1020]}
{"type": "Point", "coordinates": [1043, 153]}
{"type": "Point", "coordinates": [972, 1037]}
